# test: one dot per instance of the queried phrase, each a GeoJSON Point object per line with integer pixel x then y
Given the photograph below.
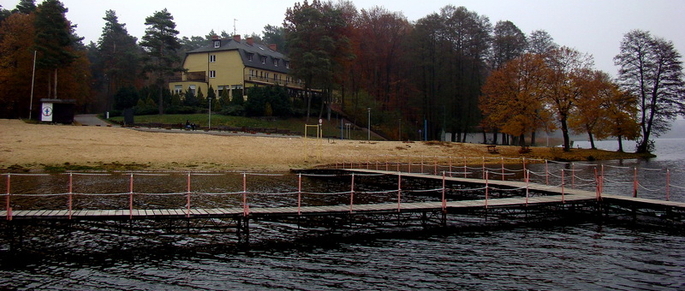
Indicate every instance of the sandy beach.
{"type": "Point", "coordinates": [37, 147]}
{"type": "Point", "coordinates": [33, 146]}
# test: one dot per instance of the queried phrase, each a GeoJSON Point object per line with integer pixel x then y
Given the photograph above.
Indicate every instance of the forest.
{"type": "Point", "coordinates": [451, 71]}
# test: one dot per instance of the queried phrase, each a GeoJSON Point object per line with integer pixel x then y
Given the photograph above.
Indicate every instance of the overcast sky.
{"type": "Point", "coordinates": [590, 26]}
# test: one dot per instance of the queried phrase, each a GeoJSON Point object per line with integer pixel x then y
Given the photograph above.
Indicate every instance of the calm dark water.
{"type": "Point", "coordinates": [585, 256]}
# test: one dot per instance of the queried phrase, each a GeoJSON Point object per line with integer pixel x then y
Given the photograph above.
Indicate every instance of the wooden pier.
{"type": "Point", "coordinates": [547, 203]}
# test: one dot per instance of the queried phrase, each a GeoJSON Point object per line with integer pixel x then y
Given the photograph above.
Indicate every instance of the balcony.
{"type": "Point", "coordinates": [271, 81]}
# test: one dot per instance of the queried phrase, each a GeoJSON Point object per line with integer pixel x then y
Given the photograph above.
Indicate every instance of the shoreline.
{"type": "Point", "coordinates": [53, 148]}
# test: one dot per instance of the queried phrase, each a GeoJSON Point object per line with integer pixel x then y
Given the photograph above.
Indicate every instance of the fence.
{"type": "Point", "coordinates": [553, 174]}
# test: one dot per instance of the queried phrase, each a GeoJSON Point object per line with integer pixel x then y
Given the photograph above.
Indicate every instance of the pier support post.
{"type": "Point", "coordinates": [243, 230]}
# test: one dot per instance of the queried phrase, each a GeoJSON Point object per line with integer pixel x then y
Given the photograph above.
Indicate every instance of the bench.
{"type": "Point", "coordinates": [492, 149]}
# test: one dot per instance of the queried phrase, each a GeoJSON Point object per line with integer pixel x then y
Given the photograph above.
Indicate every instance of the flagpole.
{"type": "Point", "coordinates": [33, 80]}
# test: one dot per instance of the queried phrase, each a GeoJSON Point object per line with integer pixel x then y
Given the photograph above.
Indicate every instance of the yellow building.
{"type": "Point", "coordinates": [233, 63]}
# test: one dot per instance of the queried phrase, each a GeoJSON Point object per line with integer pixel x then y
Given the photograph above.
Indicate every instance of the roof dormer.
{"type": "Point", "coordinates": [216, 41]}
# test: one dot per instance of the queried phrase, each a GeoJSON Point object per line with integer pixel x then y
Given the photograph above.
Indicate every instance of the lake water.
{"type": "Point", "coordinates": [583, 256]}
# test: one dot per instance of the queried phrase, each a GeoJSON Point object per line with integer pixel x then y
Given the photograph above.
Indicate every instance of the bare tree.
{"type": "Point", "coordinates": [650, 68]}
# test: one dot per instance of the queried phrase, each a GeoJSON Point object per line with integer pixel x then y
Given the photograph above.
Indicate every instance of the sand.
{"type": "Point", "coordinates": [35, 146]}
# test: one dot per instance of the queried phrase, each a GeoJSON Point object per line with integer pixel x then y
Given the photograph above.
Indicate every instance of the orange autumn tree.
{"type": "Point", "coordinates": [512, 97]}
{"type": "Point", "coordinates": [617, 110]}
{"type": "Point", "coordinates": [16, 63]}
{"type": "Point", "coordinates": [603, 110]}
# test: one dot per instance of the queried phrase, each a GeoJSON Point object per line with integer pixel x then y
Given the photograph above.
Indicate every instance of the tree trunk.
{"type": "Point", "coordinates": [532, 137]}
{"type": "Point", "coordinates": [160, 104]}
{"type": "Point", "coordinates": [309, 103]}
{"type": "Point", "coordinates": [592, 140]}
{"type": "Point", "coordinates": [620, 144]}
{"type": "Point", "coordinates": [564, 131]}
{"type": "Point", "coordinates": [55, 83]}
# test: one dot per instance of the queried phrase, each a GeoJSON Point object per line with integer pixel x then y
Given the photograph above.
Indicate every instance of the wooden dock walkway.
{"type": "Point", "coordinates": [528, 202]}
{"type": "Point", "coordinates": [552, 195]}
{"type": "Point", "coordinates": [290, 211]}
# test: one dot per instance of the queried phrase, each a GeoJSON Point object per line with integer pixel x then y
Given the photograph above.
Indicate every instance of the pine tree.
{"type": "Point", "coordinates": [53, 39]}
{"type": "Point", "coordinates": [161, 44]}
{"type": "Point", "coordinates": [118, 55]}
{"type": "Point", "coordinates": [25, 7]}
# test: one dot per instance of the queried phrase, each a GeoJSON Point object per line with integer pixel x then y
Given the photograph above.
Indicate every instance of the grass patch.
{"type": "Point", "coordinates": [294, 125]}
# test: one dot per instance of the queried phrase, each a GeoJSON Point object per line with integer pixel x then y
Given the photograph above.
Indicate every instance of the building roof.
{"type": "Point", "coordinates": [254, 55]}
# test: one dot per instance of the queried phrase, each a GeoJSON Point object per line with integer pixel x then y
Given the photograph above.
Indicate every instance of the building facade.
{"type": "Point", "coordinates": [233, 63]}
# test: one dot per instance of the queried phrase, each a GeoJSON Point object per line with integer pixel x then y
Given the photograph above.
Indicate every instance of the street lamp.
{"type": "Point", "coordinates": [368, 133]}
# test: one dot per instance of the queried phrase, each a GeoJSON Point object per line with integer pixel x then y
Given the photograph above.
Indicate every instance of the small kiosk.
{"type": "Point", "coordinates": [57, 110]}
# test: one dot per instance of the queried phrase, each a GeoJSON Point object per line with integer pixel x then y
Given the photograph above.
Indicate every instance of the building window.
{"type": "Point", "coordinates": [192, 89]}
{"type": "Point", "coordinates": [250, 57]}
{"type": "Point", "coordinates": [212, 74]}
{"type": "Point", "coordinates": [212, 58]}
{"type": "Point", "coordinates": [263, 59]}
{"type": "Point", "coordinates": [275, 62]}
{"type": "Point", "coordinates": [178, 89]}
{"type": "Point", "coordinates": [217, 44]}
{"type": "Point", "coordinates": [287, 65]}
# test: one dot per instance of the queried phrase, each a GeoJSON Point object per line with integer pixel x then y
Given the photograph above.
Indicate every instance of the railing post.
{"type": "Point", "coordinates": [130, 196]}
{"type": "Point", "coordinates": [8, 197]}
{"type": "Point", "coordinates": [487, 188]}
{"type": "Point", "coordinates": [435, 167]}
{"type": "Point", "coordinates": [526, 175]}
{"type": "Point", "coordinates": [71, 192]}
{"type": "Point", "coordinates": [399, 191]}
{"type": "Point", "coordinates": [573, 176]}
{"type": "Point", "coordinates": [484, 168]}
{"type": "Point", "coordinates": [598, 182]}
{"type": "Point", "coordinates": [444, 202]}
{"type": "Point", "coordinates": [635, 183]}
{"type": "Point", "coordinates": [422, 171]}
{"type": "Point", "coordinates": [465, 168]}
{"type": "Point", "coordinates": [299, 194]}
{"type": "Point", "coordinates": [502, 161]}
{"type": "Point", "coordinates": [450, 167]}
{"type": "Point", "coordinates": [546, 173]}
{"type": "Point", "coordinates": [352, 193]}
{"type": "Point", "coordinates": [668, 184]}
{"type": "Point", "coordinates": [246, 209]}
{"type": "Point", "coordinates": [524, 165]}
{"type": "Point", "coordinates": [563, 182]}
{"type": "Point", "coordinates": [188, 189]}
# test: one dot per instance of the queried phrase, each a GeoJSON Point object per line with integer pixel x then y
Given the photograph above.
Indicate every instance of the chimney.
{"type": "Point", "coordinates": [236, 37]}
{"type": "Point", "coordinates": [250, 40]}
{"type": "Point", "coordinates": [273, 47]}
{"type": "Point", "coordinates": [215, 37]}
